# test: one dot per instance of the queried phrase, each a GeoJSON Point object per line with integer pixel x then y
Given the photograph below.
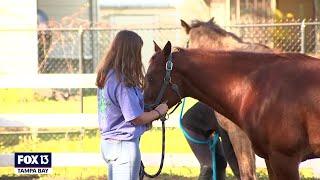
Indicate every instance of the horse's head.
{"type": "Point", "coordinates": [208, 35]}
{"type": "Point", "coordinates": [162, 80]}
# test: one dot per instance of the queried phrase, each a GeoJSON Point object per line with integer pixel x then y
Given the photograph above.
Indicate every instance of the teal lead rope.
{"type": "Point", "coordinates": [211, 142]}
{"type": "Point", "coordinates": [212, 145]}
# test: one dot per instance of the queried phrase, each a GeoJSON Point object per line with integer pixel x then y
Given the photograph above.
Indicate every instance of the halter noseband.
{"type": "Point", "coordinates": [166, 82]}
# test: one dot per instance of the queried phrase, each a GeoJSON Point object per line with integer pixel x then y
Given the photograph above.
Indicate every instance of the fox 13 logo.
{"type": "Point", "coordinates": [32, 163]}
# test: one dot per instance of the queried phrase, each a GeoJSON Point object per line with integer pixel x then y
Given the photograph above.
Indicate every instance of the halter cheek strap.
{"type": "Point", "coordinates": [166, 82]}
{"type": "Point", "coordinates": [166, 79]}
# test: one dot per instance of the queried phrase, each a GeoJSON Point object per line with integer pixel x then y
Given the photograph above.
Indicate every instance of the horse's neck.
{"type": "Point", "coordinates": [252, 47]}
{"type": "Point", "coordinates": [220, 81]}
{"type": "Point", "coordinates": [211, 39]}
{"type": "Point", "coordinates": [230, 43]}
{"type": "Point", "coordinates": [215, 41]}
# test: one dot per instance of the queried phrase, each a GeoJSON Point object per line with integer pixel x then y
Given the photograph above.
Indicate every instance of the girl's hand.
{"type": "Point", "coordinates": [162, 108]}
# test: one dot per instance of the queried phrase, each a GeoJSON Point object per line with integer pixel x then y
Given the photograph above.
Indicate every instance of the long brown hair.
{"type": "Point", "coordinates": [124, 57]}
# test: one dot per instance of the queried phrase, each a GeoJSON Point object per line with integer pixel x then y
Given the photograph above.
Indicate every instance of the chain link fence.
{"type": "Point", "coordinates": [300, 37]}
{"type": "Point", "coordinates": [65, 50]}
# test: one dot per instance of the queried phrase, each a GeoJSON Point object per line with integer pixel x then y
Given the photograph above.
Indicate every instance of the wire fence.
{"type": "Point", "coordinates": [300, 37]}
{"type": "Point", "coordinates": [65, 50]}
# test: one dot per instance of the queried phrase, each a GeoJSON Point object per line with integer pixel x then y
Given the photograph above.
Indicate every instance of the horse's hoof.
{"type": "Point", "coordinates": [205, 173]}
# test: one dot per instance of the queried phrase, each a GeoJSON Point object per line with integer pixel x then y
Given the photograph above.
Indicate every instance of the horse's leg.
{"type": "Point", "coordinates": [242, 148]}
{"type": "Point", "coordinates": [197, 121]}
{"type": "Point", "coordinates": [202, 153]}
{"type": "Point", "coordinates": [204, 156]}
{"type": "Point", "coordinates": [229, 153]}
{"type": "Point", "coordinates": [221, 163]}
{"type": "Point", "coordinates": [245, 154]}
{"type": "Point", "coordinates": [284, 167]}
{"type": "Point", "coordinates": [270, 173]}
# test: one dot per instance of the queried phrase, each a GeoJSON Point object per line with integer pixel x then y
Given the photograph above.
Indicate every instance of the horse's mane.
{"type": "Point", "coordinates": [211, 24]}
{"type": "Point", "coordinates": [244, 53]}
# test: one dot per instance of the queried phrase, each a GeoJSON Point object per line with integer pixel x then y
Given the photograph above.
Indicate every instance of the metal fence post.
{"type": "Point", "coordinates": [80, 35]}
{"type": "Point", "coordinates": [34, 134]}
{"type": "Point", "coordinates": [302, 36]}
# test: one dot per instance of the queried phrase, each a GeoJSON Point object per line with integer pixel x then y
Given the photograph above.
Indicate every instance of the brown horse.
{"type": "Point", "coordinates": [274, 99]}
{"type": "Point", "coordinates": [208, 35]}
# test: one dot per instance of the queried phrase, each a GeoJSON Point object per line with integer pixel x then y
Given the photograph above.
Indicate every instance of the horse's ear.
{"type": "Point", "coordinates": [211, 20]}
{"type": "Point", "coordinates": [156, 47]}
{"type": "Point", "coordinates": [185, 26]}
{"type": "Point", "coordinates": [167, 49]}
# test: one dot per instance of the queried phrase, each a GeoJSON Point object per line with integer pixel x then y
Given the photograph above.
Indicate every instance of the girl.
{"type": "Point", "coordinates": [122, 119]}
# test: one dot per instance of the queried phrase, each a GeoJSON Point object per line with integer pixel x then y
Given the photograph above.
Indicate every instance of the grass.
{"type": "Point", "coordinates": [93, 173]}
{"type": "Point", "coordinates": [11, 101]}
{"type": "Point", "coordinates": [150, 142]}
{"type": "Point", "coordinates": [21, 101]}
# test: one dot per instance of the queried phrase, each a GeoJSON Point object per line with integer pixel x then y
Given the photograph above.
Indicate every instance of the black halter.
{"type": "Point", "coordinates": [166, 82]}
{"type": "Point", "coordinates": [175, 88]}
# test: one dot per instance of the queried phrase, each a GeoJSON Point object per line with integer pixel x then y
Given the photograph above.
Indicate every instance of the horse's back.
{"type": "Point", "coordinates": [288, 96]}
{"type": "Point", "coordinates": [292, 81]}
